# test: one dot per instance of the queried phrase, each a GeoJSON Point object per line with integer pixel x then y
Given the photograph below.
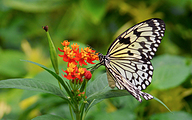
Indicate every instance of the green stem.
{"type": "Point", "coordinates": [71, 112]}
{"type": "Point", "coordinates": [82, 110]}
{"type": "Point", "coordinates": [77, 112]}
{"type": "Point", "coordinates": [85, 87]}
{"type": "Point", "coordinates": [71, 84]}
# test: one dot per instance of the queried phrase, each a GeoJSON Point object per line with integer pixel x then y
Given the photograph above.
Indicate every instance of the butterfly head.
{"type": "Point", "coordinates": [101, 58]}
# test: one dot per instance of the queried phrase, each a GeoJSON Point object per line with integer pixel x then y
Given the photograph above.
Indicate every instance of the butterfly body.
{"type": "Point", "coordinates": [128, 58]}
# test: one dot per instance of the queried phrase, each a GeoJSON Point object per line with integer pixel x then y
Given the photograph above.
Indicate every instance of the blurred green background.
{"type": "Point", "coordinates": [96, 23]}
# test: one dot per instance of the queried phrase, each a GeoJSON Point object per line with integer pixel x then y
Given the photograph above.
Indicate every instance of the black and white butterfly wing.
{"type": "Point", "coordinates": [131, 52]}
{"type": "Point", "coordinates": [114, 76]}
{"type": "Point", "coordinates": [142, 40]}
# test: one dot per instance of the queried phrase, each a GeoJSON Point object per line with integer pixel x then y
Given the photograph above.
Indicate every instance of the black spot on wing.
{"type": "Point", "coordinates": [143, 45]}
{"type": "Point", "coordinates": [143, 68]}
{"type": "Point", "coordinates": [143, 75]}
{"type": "Point", "coordinates": [137, 79]}
{"type": "Point", "coordinates": [131, 81]}
{"type": "Point", "coordinates": [148, 38]}
{"type": "Point", "coordinates": [129, 52]}
{"type": "Point", "coordinates": [135, 32]}
{"type": "Point", "coordinates": [125, 40]}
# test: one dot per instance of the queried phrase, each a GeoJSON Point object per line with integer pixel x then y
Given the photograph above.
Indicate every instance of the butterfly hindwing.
{"type": "Point", "coordinates": [138, 72]}
{"type": "Point", "coordinates": [123, 83]}
{"type": "Point", "coordinates": [111, 80]}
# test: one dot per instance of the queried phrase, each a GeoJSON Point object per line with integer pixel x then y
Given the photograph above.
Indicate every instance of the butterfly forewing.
{"type": "Point", "coordinates": [131, 52]}
{"type": "Point", "coordinates": [140, 41]}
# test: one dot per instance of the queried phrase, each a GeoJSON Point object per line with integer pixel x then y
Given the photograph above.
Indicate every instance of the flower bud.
{"type": "Point", "coordinates": [79, 97]}
{"type": "Point", "coordinates": [88, 75]}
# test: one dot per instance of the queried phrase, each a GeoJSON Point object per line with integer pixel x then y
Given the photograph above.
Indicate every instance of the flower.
{"type": "Point", "coordinates": [74, 46]}
{"type": "Point", "coordinates": [81, 57]}
{"type": "Point", "coordinates": [76, 58]}
{"type": "Point", "coordinates": [65, 43]}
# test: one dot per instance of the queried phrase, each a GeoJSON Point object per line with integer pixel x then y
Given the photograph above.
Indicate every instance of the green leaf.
{"type": "Point", "coordinates": [64, 84]}
{"type": "Point", "coordinates": [48, 117]}
{"type": "Point", "coordinates": [120, 114]}
{"type": "Point", "coordinates": [35, 85]}
{"type": "Point", "coordinates": [96, 86]}
{"type": "Point", "coordinates": [180, 115]}
{"type": "Point", "coordinates": [99, 89]}
{"type": "Point", "coordinates": [52, 73]}
{"type": "Point", "coordinates": [168, 60]}
{"type": "Point", "coordinates": [169, 71]}
{"type": "Point", "coordinates": [109, 94]}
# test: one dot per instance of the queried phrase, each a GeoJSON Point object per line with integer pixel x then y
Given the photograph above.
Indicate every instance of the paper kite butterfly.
{"type": "Point", "coordinates": [128, 58]}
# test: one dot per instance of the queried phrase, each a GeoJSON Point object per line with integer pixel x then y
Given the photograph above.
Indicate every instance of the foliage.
{"type": "Point", "coordinates": [96, 23]}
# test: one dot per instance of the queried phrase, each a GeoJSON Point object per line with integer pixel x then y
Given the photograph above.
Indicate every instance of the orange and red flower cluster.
{"type": "Point", "coordinates": [74, 57]}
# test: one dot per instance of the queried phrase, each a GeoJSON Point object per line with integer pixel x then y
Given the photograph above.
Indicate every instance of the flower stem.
{"type": "Point", "coordinates": [82, 110]}
{"type": "Point", "coordinates": [78, 116]}
{"type": "Point", "coordinates": [71, 112]}
{"type": "Point", "coordinates": [77, 112]}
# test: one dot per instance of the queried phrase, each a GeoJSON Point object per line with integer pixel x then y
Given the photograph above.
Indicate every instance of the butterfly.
{"type": "Point", "coordinates": [127, 61]}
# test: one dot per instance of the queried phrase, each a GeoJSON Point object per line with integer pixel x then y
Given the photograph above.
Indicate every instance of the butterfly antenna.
{"type": "Point", "coordinates": [92, 48]}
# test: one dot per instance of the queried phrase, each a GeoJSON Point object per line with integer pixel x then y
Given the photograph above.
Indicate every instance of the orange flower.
{"type": "Point", "coordinates": [74, 46]}
{"type": "Point", "coordinates": [65, 43]}
{"type": "Point", "coordinates": [81, 57]}
{"type": "Point", "coordinates": [87, 49]}
{"type": "Point", "coordinates": [81, 71]}
{"type": "Point", "coordinates": [70, 71]}
{"type": "Point", "coordinates": [68, 55]}
{"type": "Point", "coordinates": [67, 50]}
{"type": "Point", "coordinates": [71, 55]}
{"type": "Point", "coordinates": [74, 57]}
